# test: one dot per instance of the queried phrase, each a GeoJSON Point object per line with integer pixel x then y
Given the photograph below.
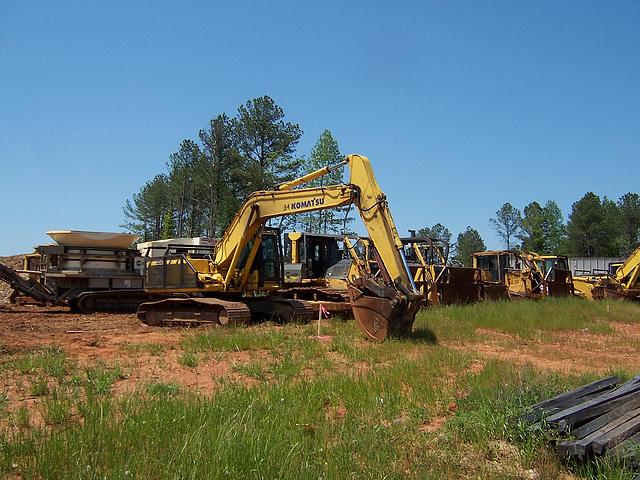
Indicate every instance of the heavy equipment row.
{"type": "Point", "coordinates": [381, 279]}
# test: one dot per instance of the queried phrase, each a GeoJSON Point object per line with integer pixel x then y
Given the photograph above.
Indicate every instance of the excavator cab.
{"type": "Point", "coordinates": [309, 256]}
{"type": "Point", "coordinates": [178, 266]}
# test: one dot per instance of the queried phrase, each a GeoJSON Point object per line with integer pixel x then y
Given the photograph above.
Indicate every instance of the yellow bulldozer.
{"type": "Point", "coordinates": [521, 274]}
{"type": "Point", "coordinates": [239, 280]}
{"type": "Point", "coordinates": [439, 279]}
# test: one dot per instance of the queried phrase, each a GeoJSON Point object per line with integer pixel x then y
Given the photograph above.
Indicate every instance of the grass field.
{"type": "Point", "coordinates": [295, 406]}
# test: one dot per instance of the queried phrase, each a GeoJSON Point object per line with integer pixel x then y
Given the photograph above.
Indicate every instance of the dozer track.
{"type": "Point", "coordinates": [195, 311]}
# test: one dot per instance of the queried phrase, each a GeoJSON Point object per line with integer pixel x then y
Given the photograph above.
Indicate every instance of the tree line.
{"type": "Point", "coordinates": [207, 178]}
{"type": "Point", "coordinates": [596, 227]}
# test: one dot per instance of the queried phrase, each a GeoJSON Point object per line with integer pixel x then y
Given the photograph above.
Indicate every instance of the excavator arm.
{"type": "Point", "coordinates": [362, 191]}
{"type": "Point", "coordinates": [629, 272]}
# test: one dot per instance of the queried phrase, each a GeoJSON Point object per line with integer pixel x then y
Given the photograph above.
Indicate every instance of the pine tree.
{"type": "Point", "coordinates": [468, 243]}
{"type": "Point", "coordinates": [325, 153]}
{"type": "Point", "coordinates": [507, 224]}
{"type": "Point", "coordinates": [594, 227]}
{"type": "Point", "coordinates": [216, 172]}
{"type": "Point", "coordinates": [145, 213]}
{"type": "Point", "coordinates": [532, 233]}
{"type": "Point", "coordinates": [266, 144]}
{"type": "Point", "coordinates": [629, 209]}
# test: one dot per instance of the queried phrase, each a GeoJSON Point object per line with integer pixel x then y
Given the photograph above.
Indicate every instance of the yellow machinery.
{"type": "Point", "coordinates": [233, 283]}
{"type": "Point", "coordinates": [521, 274]}
{"type": "Point", "coordinates": [438, 279]}
{"type": "Point", "coordinates": [623, 282]}
{"type": "Point", "coordinates": [316, 269]}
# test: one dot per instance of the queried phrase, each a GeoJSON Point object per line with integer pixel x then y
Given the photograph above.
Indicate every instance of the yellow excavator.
{"type": "Point", "coordinates": [236, 282]}
{"type": "Point", "coordinates": [622, 283]}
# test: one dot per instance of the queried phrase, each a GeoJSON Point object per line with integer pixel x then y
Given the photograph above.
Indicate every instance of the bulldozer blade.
{"type": "Point", "coordinates": [379, 317]}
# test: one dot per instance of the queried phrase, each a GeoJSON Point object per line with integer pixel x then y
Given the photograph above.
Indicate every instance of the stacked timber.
{"type": "Point", "coordinates": [601, 418]}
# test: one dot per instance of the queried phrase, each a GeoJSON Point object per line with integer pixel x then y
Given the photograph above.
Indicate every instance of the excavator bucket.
{"type": "Point", "coordinates": [379, 316]}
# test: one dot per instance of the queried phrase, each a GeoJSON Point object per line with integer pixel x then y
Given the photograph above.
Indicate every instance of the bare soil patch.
{"type": "Point", "coordinates": [566, 352]}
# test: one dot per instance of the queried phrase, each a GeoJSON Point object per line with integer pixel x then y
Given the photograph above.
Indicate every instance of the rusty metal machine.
{"type": "Point", "coordinates": [439, 279]}
{"type": "Point", "coordinates": [87, 271]}
{"type": "Point", "coordinates": [521, 274]}
{"type": "Point", "coordinates": [621, 281]}
{"type": "Point", "coordinates": [238, 280]}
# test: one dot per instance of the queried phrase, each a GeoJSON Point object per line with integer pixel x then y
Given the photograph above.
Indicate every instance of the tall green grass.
{"type": "Point", "coordinates": [526, 318]}
{"type": "Point", "coordinates": [358, 414]}
{"type": "Point", "coordinates": [340, 426]}
{"type": "Point", "coordinates": [280, 430]}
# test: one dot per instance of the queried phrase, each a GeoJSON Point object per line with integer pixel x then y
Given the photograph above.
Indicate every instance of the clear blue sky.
{"type": "Point", "coordinates": [461, 106]}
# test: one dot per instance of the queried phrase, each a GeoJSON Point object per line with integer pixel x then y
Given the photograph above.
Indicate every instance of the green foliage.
{"type": "Point", "coordinates": [542, 228]}
{"type": "Point", "coordinates": [186, 202]}
{"type": "Point", "coordinates": [324, 153]}
{"type": "Point", "coordinates": [594, 228]}
{"type": "Point", "coordinates": [22, 417]}
{"type": "Point", "coordinates": [146, 211]}
{"type": "Point", "coordinates": [234, 340]}
{"type": "Point", "coordinates": [218, 173]}
{"type": "Point", "coordinates": [56, 409]}
{"type": "Point", "coordinates": [629, 217]}
{"type": "Point", "coordinates": [533, 235]}
{"type": "Point", "coordinates": [438, 232]}
{"type": "Point", "coordinates": [189, 360]}
{"type": "Point", "coordinates": [507, 223]}
{"type": "Point", "coordinates": [468, 243]}
{"type": "Point", "coordinates": [49, 360]}
{"type": "Point", "coordinates": [554, 228]}
{"type": "Point", "coordinates": [206, 182]}
{"type": "Point", "coordinates": [266, 144]}
{"type": "Point", "coordinates": [163, 390]}
{"type": "Point", "coordinates": [155, 349]}
{"type": "Point", "coordinates": [168, 225]}
{"type": "Point", "coordinates": [302, 418]}
{"type": "Point", "coordinates": [100, 378]}
{"type": "Point", "coordinates": [39, 386]}
{"type": "Point", "coordinates": [525, 319]}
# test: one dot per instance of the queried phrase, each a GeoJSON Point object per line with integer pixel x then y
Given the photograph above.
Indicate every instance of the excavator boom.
{"type": "Point", "coordinates": [628, 273]}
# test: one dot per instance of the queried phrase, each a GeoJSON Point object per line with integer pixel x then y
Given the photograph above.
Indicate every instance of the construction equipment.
{"type": "Point", "coordinates": [236, 281]}
{"type": "Point", "coordinates": [439, 279]}
{"type": "Point", "coordinates": [621, 281]}
{"type": "Point", "coordinates": [520, 274]}
{"type": "Point", "coordinates": [87, 271]}
{"type": "Point", "coordinates": [316, 269]}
